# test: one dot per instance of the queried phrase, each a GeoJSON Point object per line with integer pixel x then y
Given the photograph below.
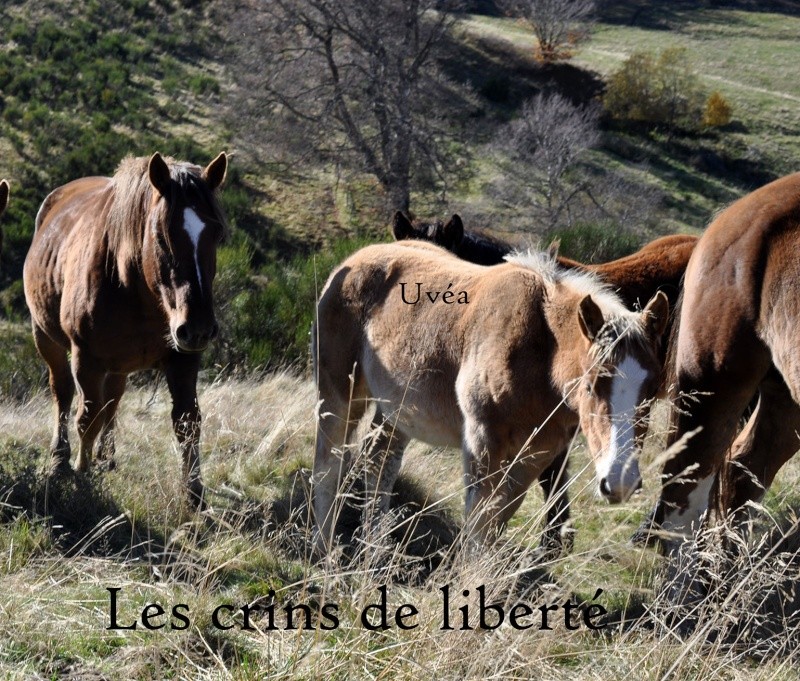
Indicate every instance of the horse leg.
{"type": "Point", "coordinates": [62, 390]}
{"type": "Point", "coordinates": [384, 456]}
{"type": "Point", "coordinates": [769, 441]}
{"type": "Point", "coordinates": [338, 414]}
{"type": "Point", "coordinates": [485, 479]}
{"type": "Point", "coordinates": [719, 389]}
{"type": "Point", "coordinates": [556, 537]}
{"type": "Point", "coordinates": [181, 370]}
{"type": "Point", "coordinates": [113, 389]}
{"type": "Point", "coordinates": [89, 380]}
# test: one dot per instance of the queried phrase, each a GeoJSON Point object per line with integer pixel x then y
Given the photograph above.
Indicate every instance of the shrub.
{"type": "Point", "coordinates": [717, 112]}
{"type": "Point", "coordinates": [662, 90]}
{"type": "Point", "coordinates": [593, 243]}
{"type": "Point", "coordinates": [266, 319]}
{"type": "Point", "coordinates": [22, 371]}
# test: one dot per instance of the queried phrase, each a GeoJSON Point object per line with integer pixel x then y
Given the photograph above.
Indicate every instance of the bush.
{"type": "Point", "coordinates": [717, 112]}
{"type": "Point", "coordinates": [22, 371]}
{"type": "Point", "coordinates": [662, 90]}
{"type": "Point", "coordinates": [266, 319]}
{"type": "Point", "coordinates": [594, 243]}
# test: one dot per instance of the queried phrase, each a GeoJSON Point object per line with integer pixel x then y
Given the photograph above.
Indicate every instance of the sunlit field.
{"type": "Point", "coordinates": [234, 592]}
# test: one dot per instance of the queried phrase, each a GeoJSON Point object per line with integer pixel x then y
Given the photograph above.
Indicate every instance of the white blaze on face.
{"type": "Point", "coordinates": [194, 227]}
{"type": "Point", "coordinates": [687, 521]}
{"type": "Point", "coordinates": [620, 467]}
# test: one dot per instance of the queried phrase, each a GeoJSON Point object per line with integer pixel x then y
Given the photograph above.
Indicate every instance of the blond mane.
{"type": "Point", "coordinates": [583, 282]}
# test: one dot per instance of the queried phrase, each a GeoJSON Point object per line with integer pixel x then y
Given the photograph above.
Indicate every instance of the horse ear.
{"type": "Point", "coordinates": [552, 249]}
{"type": "Point", "coordinates": [214, 173]}
{"type": "Point", "coordinates": [656, 314]}
{"type": "Point", "coordinates": [158, 171]}
{"type": "Point", "coordinates": [402, 227]}
{"type": "Point", "coordinates": [3, 195]}
{"type": "Point", "coordinates": [453, 231]}
{"type": "Point", "coordinates": [590, 318]}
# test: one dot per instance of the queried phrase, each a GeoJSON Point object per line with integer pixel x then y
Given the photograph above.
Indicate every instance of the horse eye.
{"type": "Point", "coordinates": [589, 388]}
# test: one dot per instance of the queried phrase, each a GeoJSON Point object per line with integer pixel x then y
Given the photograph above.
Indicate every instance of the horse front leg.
{"type": "Point", "coordinates": [62, 390]}
{"type": "Point", "coordinates": [485, 479]}
{"type": "Point", "coordinates": [113, 389]}
{"type": "Point", "coordinates": [89, 419]}
{"type": "Point", "coordinates": [556, 537]}
{"type": "Point", "coordinates": [181, 371]}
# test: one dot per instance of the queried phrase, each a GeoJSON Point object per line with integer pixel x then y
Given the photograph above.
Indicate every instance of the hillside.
{"type": "Point", "coordinates": [84, 85]}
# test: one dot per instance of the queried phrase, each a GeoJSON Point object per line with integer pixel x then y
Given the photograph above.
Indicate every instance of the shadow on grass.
{"type": "Point", "coordinates": [78, 509]}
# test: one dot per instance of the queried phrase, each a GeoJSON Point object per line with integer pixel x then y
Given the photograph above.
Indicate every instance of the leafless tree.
{"type": "Point", "coordinates": [559, 25]}
{"type": "Point", "coordinates": [544, 143]}
{"type": "Point", "coordinates": [355, 79]}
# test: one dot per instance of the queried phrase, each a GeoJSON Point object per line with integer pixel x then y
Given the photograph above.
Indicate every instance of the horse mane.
{"type": "Point", "coordinates": [132, 204]}
{"type": "Point", "coordinates": [482, 249]}
{"type": "Point", "coordinates": [622, 327]}
{"type": "Point", "coordinates": [582, 282]}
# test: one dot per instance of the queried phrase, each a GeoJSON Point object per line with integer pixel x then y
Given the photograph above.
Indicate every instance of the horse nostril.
{"type": "Point", "coordinates": [182, 333]}
{"type": "Point", "coordinates": [605, 490]}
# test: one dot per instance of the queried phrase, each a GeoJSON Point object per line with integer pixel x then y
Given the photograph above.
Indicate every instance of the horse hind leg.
{"type": "Point", "coordinates": [113, 389]}
{"type": "Point", "coordinates": [384, 456]}
{"type": "Point", "coordinates": [62, 390]}
{"type": "Point", "coordinates": [338, 416]}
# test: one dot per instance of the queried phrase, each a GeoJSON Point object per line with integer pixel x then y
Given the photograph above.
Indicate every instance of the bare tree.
{"type": "Point", "coordinates": [544, 143]}
{"type": "Point", "coordinates": [356, 79]}
{"type": "Point", "coordinates": [559, 25]}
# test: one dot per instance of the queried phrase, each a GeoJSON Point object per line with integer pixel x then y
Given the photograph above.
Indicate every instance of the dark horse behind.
{"type": "Point", "coordinates": [118, 279]}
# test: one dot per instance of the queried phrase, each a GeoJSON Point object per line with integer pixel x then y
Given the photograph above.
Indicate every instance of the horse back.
{"type": "Point", "coordinates": [372, 315]}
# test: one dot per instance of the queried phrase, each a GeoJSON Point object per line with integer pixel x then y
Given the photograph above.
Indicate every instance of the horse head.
{"type": "Point", "coordinates": [183, 230]}
{"type": "Point", "coordinates": [445, 234]}
{"type": "Point", "coordinates": [620, 377]}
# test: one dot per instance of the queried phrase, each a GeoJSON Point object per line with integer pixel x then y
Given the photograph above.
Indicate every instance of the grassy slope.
{"type": "Point", "coordinates": [748, 56]}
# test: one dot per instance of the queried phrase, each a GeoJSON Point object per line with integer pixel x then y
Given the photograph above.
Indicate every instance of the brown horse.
{"type": "Point", "coordinates": [736, 338]}
{"type": "Point", "coordinates": [3, 203]}
{"type": "Point", "coordinates": [502, 362]}
{"type": "Point", "coordinates": [118, 279]}
{"type": "Point", "coordinates": [657, 266]}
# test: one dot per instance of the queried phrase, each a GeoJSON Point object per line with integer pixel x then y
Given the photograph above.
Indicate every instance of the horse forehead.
{"type": "Point", "coordinates": [630, 375]}
{"type": "Point", "coordinates": [193, 225]}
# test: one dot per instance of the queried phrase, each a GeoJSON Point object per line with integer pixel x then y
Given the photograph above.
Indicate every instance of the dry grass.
{"type": "Point", "coordinates": [62, 546]}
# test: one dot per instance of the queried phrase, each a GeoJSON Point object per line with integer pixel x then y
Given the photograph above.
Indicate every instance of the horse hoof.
{"type": "Point", "coordinates": [106, 465]}
{"type": "Point", "coordinates": [196, 498]}
{"type": "Point", "coordinates": [59, 467]}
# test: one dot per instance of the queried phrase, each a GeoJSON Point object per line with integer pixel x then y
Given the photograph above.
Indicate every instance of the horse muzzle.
{"type": "Point", "coordinates": [194, 338]}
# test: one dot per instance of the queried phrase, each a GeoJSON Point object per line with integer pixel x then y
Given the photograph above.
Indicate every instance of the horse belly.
{"type": "Point", "coordinates": [423, 409]}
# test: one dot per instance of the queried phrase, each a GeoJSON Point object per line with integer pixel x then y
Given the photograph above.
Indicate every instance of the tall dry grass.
{"type": "Point", "coordinates": [63, 544]}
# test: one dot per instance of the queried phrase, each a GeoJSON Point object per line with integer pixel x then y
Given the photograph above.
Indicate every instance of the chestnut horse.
{"type": "Point", "coordinates": [736, 338]}
{"type": "Point", "coordinates": [505, 369]}
{"type": "Point", "coordinates": [3, 204]}
{"type": "Point", "coordinates": [118, 278]}
{"type": "Point", "coordinates": [657, 266]}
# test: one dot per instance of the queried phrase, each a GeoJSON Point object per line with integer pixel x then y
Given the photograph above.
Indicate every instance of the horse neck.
{"type": "Point", "coordinates": [482, 251]}
{"type": "Point", "coordinates": [570, 344]}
